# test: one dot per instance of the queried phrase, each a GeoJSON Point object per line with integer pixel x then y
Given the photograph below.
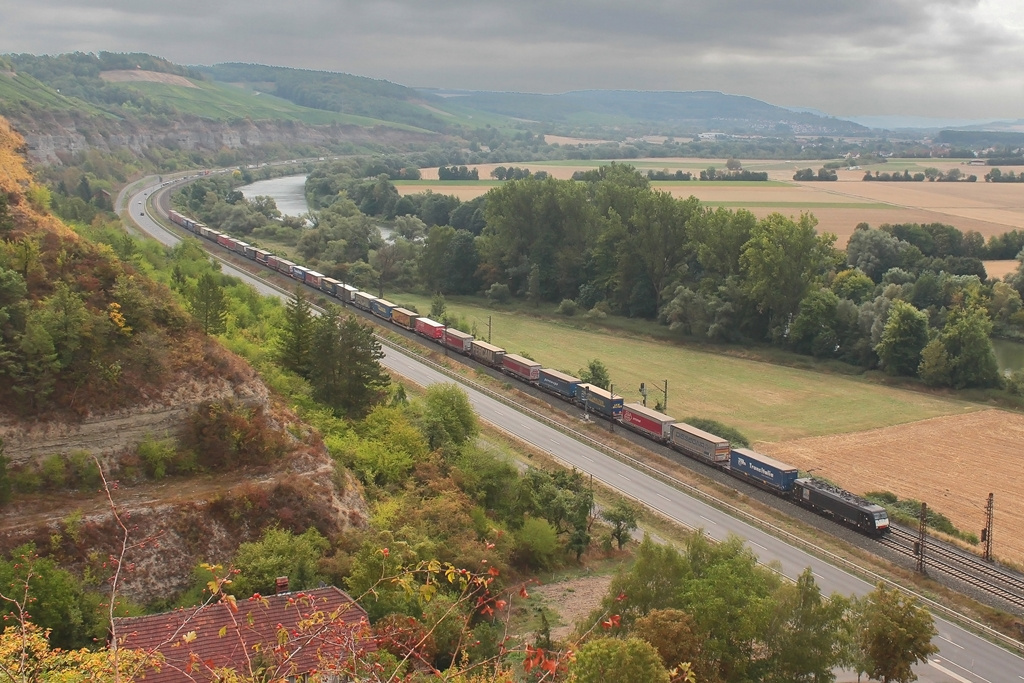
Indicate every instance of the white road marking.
{"type": "Point", "coordinates": [955, 676]}
{"type": "Point", "coordinates": [950, 642]}
{"type": "Point", "coordinates": [708, 519]}
{"type": "Point", "coordinates": [757, 544]}
{"type": "Point", "coordinates": [663, 497]}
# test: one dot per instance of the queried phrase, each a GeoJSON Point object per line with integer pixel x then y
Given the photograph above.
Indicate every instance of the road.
{"type": "Point", "coordinates": [963, 657]}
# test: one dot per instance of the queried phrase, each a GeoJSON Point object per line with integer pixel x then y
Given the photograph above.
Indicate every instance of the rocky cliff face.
{"type": "Point", "coordinates": [54, 135]}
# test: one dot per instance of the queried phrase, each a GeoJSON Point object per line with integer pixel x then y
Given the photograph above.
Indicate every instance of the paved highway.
{"type": "Point", "coordinates": [963, 657]}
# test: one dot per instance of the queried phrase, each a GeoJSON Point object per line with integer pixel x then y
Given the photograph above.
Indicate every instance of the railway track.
{"type": "Point", "coordinates": [962, 566]}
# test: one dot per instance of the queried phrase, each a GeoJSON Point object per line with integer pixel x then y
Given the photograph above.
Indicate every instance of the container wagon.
{"type": "Point", "coordinates": [262, 256]}
{"type": "Point", "coordinates": [558, 383]}
{"type": "Point", "coordinates": [760, 470]}
{"type": "Point", "coordinates": [314, 279]}
{"type": "Point", "coordinates": [242, 247]}
{"type": "Point", "coordinates": [362, 300]}
{"type": "Point", "coordinates": [299, 273]}
{"type": "Point", "coordinates": [346, 293]}
{"type": "Point", "coordinates": [699, 444]}
{"type": "Point", "coordinates": [457, 340]}
{"type": "Point", "coordinates": [249, 251]}
{"type": "Point", "coordinates": [841, 505]}
{"type": "Point", "coordinates": [647, 421]}
{"type": "Point", "coordinates": [403, 317]}
{"type": "Point", "coordinates": [329, 286]}
{"type": "Point", "coordinates": [595, 399]}
{"type": "Point", "coordinates": [284, 266]}
{"type": "Point", "coordinates": [431, 329]}
{"type": "Point", "coordinates": [382, 308]}
{"type": "Point", "coordinates": [520, 367]}
{"type": "Point", "coordinates": [488, 354]}
{"type": "Point", "coordinates": [225, 241]}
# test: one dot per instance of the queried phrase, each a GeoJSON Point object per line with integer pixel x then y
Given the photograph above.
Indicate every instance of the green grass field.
{"type": "Point", "coordinates": [24, 88]}
{"type": "Point", "coordinates": [766, 402]}
{"type": "Point", "coordinates": [224, 102]}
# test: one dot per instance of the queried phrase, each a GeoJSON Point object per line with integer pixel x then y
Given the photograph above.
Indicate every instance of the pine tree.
{"type": "Point", "coordinates": [345, 372]}
{"type": "Point", "coordinates": [208, 304]}
{"type": "Point", "coordinates": [295, 343]}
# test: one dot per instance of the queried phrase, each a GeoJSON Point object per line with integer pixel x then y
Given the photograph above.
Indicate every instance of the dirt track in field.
{"type": "Point", "coordinates": [128, 75]}
{"type": "Point", "coordinates": [952, 463]}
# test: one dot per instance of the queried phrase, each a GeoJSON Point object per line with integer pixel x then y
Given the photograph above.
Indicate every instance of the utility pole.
{"type": "Point", "coordinates": [986, 533]}
{"type": "Point", "coordinates": [488, 329]}
{"type": "Point", "coordinates": [444, 339]}
{"type": "Point", "coordinates": [664, 393]}
{"type": "Point", "coordinates": [919, 545]}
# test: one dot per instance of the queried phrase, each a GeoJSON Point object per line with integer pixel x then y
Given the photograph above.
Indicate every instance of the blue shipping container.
{"type": "Point", "coordinates": [381, 308]}
{"type": "Point", "coordinates": [599, 401]}
{"type": "Point", "coordinates": [558, 382]}
{"type": "Point", "coordinates": [776, 474]}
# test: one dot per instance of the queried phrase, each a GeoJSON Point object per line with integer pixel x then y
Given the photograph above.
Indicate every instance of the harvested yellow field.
{"type": "Point", "coordinates": [990, 209]}
{"type": "Point", "coordinates": [952, 463]}
{"type": "Point", "coordinates": [1000, 269]}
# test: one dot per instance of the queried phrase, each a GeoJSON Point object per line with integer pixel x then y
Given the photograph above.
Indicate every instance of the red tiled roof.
{"type": "Point", "coordinates": [292, 633]}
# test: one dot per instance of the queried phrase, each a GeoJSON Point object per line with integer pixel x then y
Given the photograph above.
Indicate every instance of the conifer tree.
{"type": "Point", "coordinates": [295, 343]}
{"type": "Point", "coordinates": [208, 304]}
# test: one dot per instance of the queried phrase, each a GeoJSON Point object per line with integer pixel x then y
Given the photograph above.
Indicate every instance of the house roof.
{"type": "Point", "coordinates": [290, 633]}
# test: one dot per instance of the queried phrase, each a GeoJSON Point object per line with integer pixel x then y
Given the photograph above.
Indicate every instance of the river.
{"type": "Point", "coordinates": [289, 193]}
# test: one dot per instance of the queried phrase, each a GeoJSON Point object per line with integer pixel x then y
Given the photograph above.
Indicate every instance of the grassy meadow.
{"type": "Point", "coordinates": [767, 402]}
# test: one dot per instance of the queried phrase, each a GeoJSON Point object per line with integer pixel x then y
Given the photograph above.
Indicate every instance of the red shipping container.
{"type": "Point", "coordinates": [431, 329]}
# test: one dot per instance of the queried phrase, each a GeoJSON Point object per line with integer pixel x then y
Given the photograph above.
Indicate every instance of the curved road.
{"type": "Point", "coordinates": [963, 658]}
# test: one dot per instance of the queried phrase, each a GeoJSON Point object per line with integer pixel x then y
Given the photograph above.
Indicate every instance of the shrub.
{"type": "Point", "coordinates": [567, 307]}
{"type": "Point", "coordinates": [735, 437]}
{"type": "Point", "coordinates": [499, 293]}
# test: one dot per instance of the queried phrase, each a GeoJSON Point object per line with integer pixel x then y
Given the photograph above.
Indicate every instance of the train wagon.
{"type": "Point", "coordinates": [457, 340]}
{"type": "Point", "coordinates": [243, 248]}
{"type": "Point", "coordinates": [431, 329]}
{"type": "Point", "coordinates": [329, 286]}
{"type": "Point", "coordinates": [520, 367]}
{"type": "Point", "coordinates": [363, 300]}
{"type": "Point", "coordinates": [226, 241]}
{"type": "Point", "coordinates": [314, 279]}
{"type": "Point", "coordinates": [403, 317]}
{"type": "Point", "coordinates": [284, 266]}
{"type": "Point", "coordinates": [647, 421]}
{"type": "Point", "coordinates": [595, 399]}
{"type": "Point", "coordinates": [299, 273]}
{"type": "Point", "coordinates": [761, 470]}
{"type": "Point", "coordinates": [273, 261]}
{"type": "Point", "coordinates": [699, 444]}
{"type": "Point", "coordinates": [261, 256]}
{"type": "Point", "coordinates": [346, 293]}
{"type": "Point", "coordinates": [382, 308]}
{"type": "Point", "coordinates": [488, 354]}
{"type": "Point", "coordinates": [558, 383]}
{"type": "Point", "coordinates": [841, 505]}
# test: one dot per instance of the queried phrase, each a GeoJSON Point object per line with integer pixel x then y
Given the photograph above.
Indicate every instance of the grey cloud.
{"type": "Point", "coordinates": [873, 56]}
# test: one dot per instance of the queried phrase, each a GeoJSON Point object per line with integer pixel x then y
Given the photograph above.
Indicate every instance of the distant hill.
{"type": "Point", "coordinates": [698, 111]}
{"type": "Point", "coordinates": [338, 92]}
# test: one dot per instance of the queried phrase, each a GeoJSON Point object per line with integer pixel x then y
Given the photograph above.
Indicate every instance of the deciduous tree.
{"type": "Point", "coordinates": [895, 633]}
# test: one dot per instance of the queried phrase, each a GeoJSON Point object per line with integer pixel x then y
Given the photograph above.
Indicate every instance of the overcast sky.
{"type": "Point", "coordinates": [946, 58]}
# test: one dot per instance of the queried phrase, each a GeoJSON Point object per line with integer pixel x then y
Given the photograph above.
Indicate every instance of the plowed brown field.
{"type": "Point", "coordinates": [952, 463]}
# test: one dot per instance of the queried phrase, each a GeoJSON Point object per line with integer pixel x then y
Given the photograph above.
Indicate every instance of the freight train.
{"type": "Point", "coordinates": [744, 464]}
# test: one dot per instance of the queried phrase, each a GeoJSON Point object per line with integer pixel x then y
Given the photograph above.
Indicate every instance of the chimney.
{"type": "Point", "coordinates": [281, 585]}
